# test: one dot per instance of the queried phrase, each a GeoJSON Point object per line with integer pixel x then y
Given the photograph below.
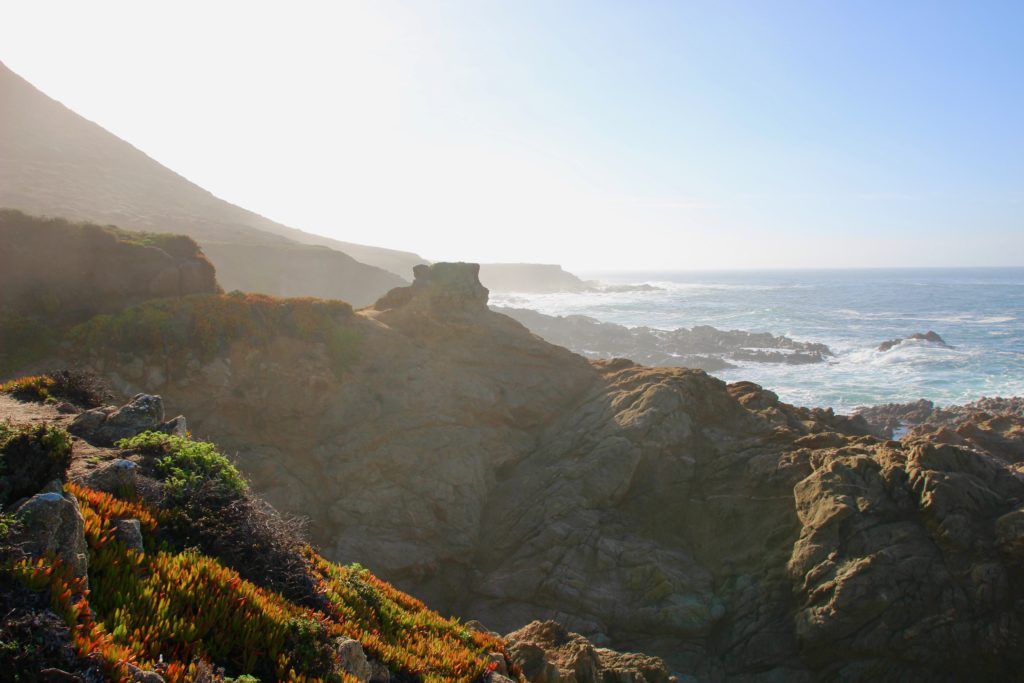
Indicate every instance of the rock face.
{"type": "Point", "coordinates": [702, 347]}
{"type": "Point", "coordinates": [929, 336]}
{"type": "Point", "coordinates": [448, 291]}
{"type": "Point", "coordinates": [105, 426]}
{"type": "Point", "coordinates": [548, 653]}
{"type": "Point", "coordinates": [658, 510]}
{"type": "Point", "coordinates": [990, 425]}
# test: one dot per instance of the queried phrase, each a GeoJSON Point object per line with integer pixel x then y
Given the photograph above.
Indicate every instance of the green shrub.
{"type": "Point", "coordinates": [33, 388]}
{"type": "Point", "coordinates": [184, 464]}
{"type": "Point", "coordinates": [8, 523]}
{"type": "Point", "coordinates": [206, 324]}
{"type": "Point", "coordinates": [177, 246]}
{"type": "Point", "coordinates": [30, 458]}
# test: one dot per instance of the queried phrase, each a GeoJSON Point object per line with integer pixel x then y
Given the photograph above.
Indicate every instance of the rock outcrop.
{"type": "Point", "coordinates": [547, 652]}
{"type": "Point", "coordinates": [107, 425]}
{"type": "Point", "coordinates": [994, 426]}
{"type": "Point", "coordinates": [929, 337]}
{"type": "Point", "coordinates": [702, 347]}
{"type": "Point", "coordinates": [649, 509]}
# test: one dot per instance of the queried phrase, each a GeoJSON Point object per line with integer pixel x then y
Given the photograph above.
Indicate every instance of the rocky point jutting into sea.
{"type": "Point", "coordinates": [505, 479]}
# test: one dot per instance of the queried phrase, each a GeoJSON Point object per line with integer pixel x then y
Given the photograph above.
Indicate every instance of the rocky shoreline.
{"type": "Point", "coordinates": [702, 347]}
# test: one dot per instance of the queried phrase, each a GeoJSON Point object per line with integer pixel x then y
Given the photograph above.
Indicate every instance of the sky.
{"type": "Point", "coordinates": [598, 135]}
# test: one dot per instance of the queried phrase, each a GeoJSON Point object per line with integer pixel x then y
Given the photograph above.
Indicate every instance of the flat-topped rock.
{"type": "Point", "coordinates": [442, 290]}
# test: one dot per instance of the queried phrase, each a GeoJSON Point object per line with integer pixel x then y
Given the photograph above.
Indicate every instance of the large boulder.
{"type": "Point", "coordinates": [52, 522]}
{"type": "Point", "coordinates": [105, 426]}
{"type": "Point", "coordinates": [352, 659]}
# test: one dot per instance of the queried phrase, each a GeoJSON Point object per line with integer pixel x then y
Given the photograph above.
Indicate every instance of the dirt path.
{"type": "Point", "coordinates": [84, 456]}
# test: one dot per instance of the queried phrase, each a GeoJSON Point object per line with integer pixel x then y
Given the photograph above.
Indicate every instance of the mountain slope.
{"type": "Point", "coordinates": [56, 163]}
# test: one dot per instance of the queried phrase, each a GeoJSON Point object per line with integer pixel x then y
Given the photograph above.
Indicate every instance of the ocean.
{"type": "Point", "coordinates": [978, 311]}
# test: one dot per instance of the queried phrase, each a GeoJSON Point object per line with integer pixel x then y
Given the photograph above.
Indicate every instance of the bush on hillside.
{"type": "Point", "coordinates": [30, 458]}
{"type": "Point", "coordinates": [82, 388]}
{"type": "Point", "coordinates": [206, 324]}
{"type": "Point", "coordinates": [32, 388]}
{"type": "Point", "coordinates": [185, 465]}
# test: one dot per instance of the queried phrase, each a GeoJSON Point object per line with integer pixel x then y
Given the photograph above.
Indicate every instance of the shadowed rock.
{"type": "Point", "coordinates": [105, 426]}
{"type": "Point", "coordinates": [929, 336]}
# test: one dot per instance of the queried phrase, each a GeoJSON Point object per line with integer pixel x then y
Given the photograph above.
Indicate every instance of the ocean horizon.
{"type": "Point", "coordinates": [978, 311]}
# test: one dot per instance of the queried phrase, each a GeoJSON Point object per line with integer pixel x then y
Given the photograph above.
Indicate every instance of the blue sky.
{"type": "Point", "coordinates": [596, 134]}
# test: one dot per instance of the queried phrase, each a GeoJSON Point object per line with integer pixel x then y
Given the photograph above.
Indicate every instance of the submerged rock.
{"type": "Point", "coordinates": [929, 336]}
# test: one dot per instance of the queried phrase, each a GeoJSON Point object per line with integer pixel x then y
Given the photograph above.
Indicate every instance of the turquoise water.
{"type": "Point", "coordinates": [980, 312]}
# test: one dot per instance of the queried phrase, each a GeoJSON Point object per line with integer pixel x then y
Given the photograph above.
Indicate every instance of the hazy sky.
{"type": "Point", "coordinates": [599, 135]}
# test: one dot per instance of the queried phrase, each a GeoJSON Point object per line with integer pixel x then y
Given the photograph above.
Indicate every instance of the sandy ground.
{"type": "Point", "coordinates": [84, 456]}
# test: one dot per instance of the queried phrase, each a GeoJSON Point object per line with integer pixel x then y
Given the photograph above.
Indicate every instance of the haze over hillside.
{"type": "Point", "coordinates": [59, 164]}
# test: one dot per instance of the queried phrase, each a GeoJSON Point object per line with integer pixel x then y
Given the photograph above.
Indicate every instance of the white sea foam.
{"type": "Point", "coordinates": [852, 315]}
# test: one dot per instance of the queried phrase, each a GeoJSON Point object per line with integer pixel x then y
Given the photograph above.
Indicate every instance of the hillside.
{"type": "Point", "coordinates": [505, 479]}
{"type": "Point", "coordinates": [529, 277]}
{"type": "Point", "coordinates": [53, 162]}
{"type": "Point", "coordinates": [153, 561]}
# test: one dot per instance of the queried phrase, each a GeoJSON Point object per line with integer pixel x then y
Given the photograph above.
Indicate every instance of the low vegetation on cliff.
{"type": "Point", "coordinates": [191, 600]}
{"type": "Point", "coordinates": [205, 325]}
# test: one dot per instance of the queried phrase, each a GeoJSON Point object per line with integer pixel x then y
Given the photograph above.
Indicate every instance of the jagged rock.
{"type": "Point", "coordinates": [1010, 534]}
{"type": "Point", "coordinates": [105, 426]}
{"type": "Point", "coordinates": [498, 662]}
{"type": "Point", "coordinates": [119, 477]}
{"type": "Point", "coordinates": [547, 652]}
{"type": "Point", "coordinates": [142, 676]}
{"type": "Point", "coordinates": [379, 672]}
{"type": "Point", "coordinates": [67, 408]}
{"type": "Point", "coordinates": [52, 522]}
{"type": "Point", "coordinates": [622, 667]}
{"type": "Point", "coordinates": [176, 426]}
{"type": "Point", "coordinates": [988, 425]}
{"type": "Point", "coordinates": [129, 532]}
{"type": "Point", "coordinates": [353, 660]}
{"type": "Point", "coordinates": [702, 347]}
{"type": "Point", "coordinates": [929, 336]}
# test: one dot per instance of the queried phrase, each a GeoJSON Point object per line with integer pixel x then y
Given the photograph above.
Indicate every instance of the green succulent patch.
{"type": "Point", "coordinates": [184, 464]}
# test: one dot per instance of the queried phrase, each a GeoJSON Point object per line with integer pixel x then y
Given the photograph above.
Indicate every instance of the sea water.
{"type": "Point", "coordinates": [979, 312]}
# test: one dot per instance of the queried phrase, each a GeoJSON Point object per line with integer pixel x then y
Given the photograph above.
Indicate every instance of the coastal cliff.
{"type": "Point", "coordinates": [505, 479]}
